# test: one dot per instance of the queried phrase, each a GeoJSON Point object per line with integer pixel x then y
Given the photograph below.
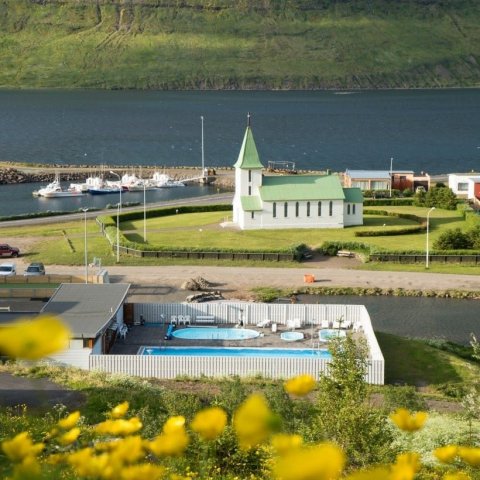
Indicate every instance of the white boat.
{"type": "Point", "coordinates": [54, 190]}
{"type": "Point", "coordinates": [162, 180]}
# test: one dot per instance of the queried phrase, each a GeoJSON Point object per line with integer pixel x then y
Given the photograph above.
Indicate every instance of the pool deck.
{"type": "Point", "coordinates": [154, 336]}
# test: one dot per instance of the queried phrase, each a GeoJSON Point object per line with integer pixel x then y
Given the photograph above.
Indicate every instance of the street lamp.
{"type": "Point", "coordinates": [144, 213]}
{"type": "Point", "coordinates": [428, 229]}
{"type": "Point", "coordinates": [85, 210]}
{"type": "Point", "coordinates": [118, 213]}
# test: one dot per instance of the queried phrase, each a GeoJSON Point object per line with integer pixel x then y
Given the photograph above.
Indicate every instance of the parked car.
{"type": "Point", "coordinates": [8, 269]}
{"type": "Point", "coordinates": [34, 269]}
{"type": "Point", "coordinates": [8, 251]}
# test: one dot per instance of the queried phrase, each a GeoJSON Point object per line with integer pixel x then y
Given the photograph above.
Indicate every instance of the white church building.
{"type": "Point", "coordinates": [289, 201]}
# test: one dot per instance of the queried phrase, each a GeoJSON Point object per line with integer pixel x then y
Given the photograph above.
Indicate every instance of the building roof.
{"type": "Point", "coordinates": [87, 308]}
{"type": "Point", "coordinates": [301, 187]}
{"type": "Point", "coordinates": [368, 174]}
{"type": "Point", "coordinates": [248, 158]}
{"type": "Point", "coordinates": [353, 195]}
{"type": "Point", "coordinates": [251, 203]}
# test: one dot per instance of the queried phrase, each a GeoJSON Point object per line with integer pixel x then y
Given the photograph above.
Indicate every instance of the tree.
{"type": "Point", "coordinates": [344, 415]}
{"type": "Point", "coordinates": [453, 239]}
{"type": "Point", "coordinates": [441, 197]}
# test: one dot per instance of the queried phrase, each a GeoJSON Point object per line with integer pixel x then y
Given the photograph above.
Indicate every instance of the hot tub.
{"type": "Point", "coordinates": [291, 336]}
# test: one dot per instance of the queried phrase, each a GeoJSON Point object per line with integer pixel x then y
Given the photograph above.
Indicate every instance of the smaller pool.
{"type": "Point", "coordinates": [291, 336]}
{"type": "Point", "coordinates": [328, 333]}
{"type": "Point", "coordinates": [214, 333]}
{"type": "Point", "coordinates": [236, 352]}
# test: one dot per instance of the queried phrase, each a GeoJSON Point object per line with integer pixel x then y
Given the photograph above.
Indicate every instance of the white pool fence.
{"type": "Point", "coordinates": [307, 315]}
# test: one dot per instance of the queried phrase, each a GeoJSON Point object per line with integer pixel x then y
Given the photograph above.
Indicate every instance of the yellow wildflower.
{"type": "Point", "coordinates": [446, 454]}
{"type": "Point", "coordinates": [376, 473]}
{"type": "Point", "coordinates": [456, 476]}
{"type": "Point", "coordinates": [209, 423]}
{"type": "Point", "coordinates": [253, 421]}
{"type": "Point", "coordinates": [34, 339]}
{"type": "Point", "coordinates": [284, 443]}
{"type": "Point", "coordinates": [119, 427]}
{"type": "Point", "coordinates": [320, 462]}
{"type": "Point", "coordinates": [408, 422]}
{"type": "Point", "coordinates": [69, 437]}
{"type": "Point", "coordinates": [86, 464]}
{"type": "Point", "coordinates": [300, 385]}
{"type": "Point", "coordinates": [174, 424]}
{"type": "Point", "coordinates": [127, 450]}
{"type": "Point", "coordinates": [470, 455]}
{"type": "Point", "coordinates": [70, 421]}
{"type": "Point", "coordinates": [169, 444]}
{"type": "Point", "coordinates": [27, 468]}
{"type": "Point", "coordinates": [142, 470]}
{"type": "Point", "coordinates": [405, 467]}
{"type": "Point", "coordinates": [120, 410]}
{"type": "Point", "coordinates": [21, 447]}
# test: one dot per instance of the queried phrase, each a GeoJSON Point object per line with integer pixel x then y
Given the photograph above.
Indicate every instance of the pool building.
{"type": "Point", "coordinates": [221, 339]}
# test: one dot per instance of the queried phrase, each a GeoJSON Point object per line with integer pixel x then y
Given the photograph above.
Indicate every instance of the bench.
{"type": "Point", "coordinates": [204, 318]}
{"type": "Point", "coordinates": [345, 253]}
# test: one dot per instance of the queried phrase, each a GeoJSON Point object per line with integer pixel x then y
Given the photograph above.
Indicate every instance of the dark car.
{"type": "Point", "coordinates": [8, 251]}
{"type": "Point", "coordinates": [35, 269]}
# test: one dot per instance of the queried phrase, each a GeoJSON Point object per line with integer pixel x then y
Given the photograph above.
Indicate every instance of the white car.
{"type": "Point", "coordinates": [8, 269]}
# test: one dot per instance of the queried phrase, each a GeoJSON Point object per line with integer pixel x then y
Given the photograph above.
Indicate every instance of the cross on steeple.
{"type": "Point", "coordinates": [249, 116]}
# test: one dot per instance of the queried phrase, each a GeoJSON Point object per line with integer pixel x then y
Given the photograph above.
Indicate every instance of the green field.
{"type": "Point", "coordinates": [230, 44]}
{"type": "Point", "coordinates": [63, 243]}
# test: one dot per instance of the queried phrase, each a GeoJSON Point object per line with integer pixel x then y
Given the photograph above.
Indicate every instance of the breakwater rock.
{"type": "Point", "coordinates": [13, 176]}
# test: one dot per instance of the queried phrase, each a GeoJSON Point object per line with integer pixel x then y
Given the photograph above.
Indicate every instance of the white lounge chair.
{"type": "Point", "coordinates": [173, 319]}
{"type": "Point", "coordinates": [274, 328]}
{"type": "Point", "coordinates": [264, 323]}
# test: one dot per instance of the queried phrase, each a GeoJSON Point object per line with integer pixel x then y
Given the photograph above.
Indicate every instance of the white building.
{"type": "Point", "coordinates": [465, 185]}
{"type": "Point", "coordinates": [290, 201]}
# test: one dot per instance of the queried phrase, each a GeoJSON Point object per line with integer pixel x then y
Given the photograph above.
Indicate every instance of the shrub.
{"type": "Point", "coordinates": [453, 239]}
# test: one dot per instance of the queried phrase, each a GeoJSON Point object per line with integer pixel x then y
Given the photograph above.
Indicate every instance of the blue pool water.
{"type": "Point", "coordinates": [213, 333]}
{"type": "Point", "coordinates": [236, 352]}
{"type": "Point", "coordinates": [328, 333]}
{"type": "Point", "coordinates": [291, 336]}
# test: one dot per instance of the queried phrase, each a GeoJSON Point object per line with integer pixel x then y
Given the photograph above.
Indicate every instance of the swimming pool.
{"type": "Point", "coordinates": [236, 352]}
{"type": "Point", "coordinates": [292, 336]}
{"type": "Point", "coordinates": [214, 333]}
{"type": "Point", "coordinates": [328, 333]}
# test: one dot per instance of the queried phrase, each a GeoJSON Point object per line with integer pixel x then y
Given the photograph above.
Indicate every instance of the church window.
{"type": "Point", "coordinates": [252, 215]}
{"type": "Point", "coordinates": [308, 209]}
{"type": "Point", "coordinates": [249, 190]}
{"type": "Point", "coordinates": [297, 209]}
{"type": "Point", "coordinates": [274, 209]}
{"type": "Point", "coordinates": [353, 209]}
{"type": "Point", "coordinates": [249, 175]}
{"type": "Point", "coordinates": [319, 209]}
{"type": "Point", "coordinates": [330, 208]}
{"type": "Point", "coordinates": [348, 209]}
{"type": "Point", "coordinates": [285, 209]}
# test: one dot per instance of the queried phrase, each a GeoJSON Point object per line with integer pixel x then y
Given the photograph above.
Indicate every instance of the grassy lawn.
{"type": "Point", "coordinates": [412, 362]}
{"type": "Point", "coordinates": [63, 242]}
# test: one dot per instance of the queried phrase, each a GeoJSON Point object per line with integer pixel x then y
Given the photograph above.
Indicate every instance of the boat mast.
{"type": "Point", "coordinates": [203, 155]}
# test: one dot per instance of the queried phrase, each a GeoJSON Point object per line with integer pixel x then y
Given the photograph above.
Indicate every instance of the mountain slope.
{"type": "Point", "coordinates": [248, 44]}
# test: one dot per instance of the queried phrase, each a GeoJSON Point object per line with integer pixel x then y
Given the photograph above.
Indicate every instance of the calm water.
{"type": "Point", "coordinates": [429, 130]}
{"type": "Point", "coordinates": [449, 319]}
{"type": "Point", "coordinates": [18, 199]}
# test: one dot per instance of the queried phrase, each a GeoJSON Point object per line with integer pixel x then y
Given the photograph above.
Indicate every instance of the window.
{"type": "Point", "coordinates": [330, 208]}
{"type": "Point", "coordinates": [249, 175]}
{"type": "Point", "coordinates": [308, 209]}
{"type": "Point", "coordinates": [252, 215]}
{"type": "Point", "coordinates": [249, 190]}
{"type": "Point", "coordinates": [462, 187]}
{"type": "Point", "coordinates": [274, 209]}
{"type": "Point", "coordinates": [348, 209]}
{"type": "Point", "coordinates": [285, 209]}
{"type": "Point", "coordinates": [319, 209]}
{"type": "Point", "coordinates": [297, 209]}
{"type": "Point", "coordinates": [353, 209]}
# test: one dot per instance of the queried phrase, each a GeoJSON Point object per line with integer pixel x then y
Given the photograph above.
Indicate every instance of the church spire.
{"type": "Point", "coordinates": [248, 157]}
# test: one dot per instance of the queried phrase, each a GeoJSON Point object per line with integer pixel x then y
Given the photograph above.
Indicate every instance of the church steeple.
{"type": "Point", "coordinates": [248, 157]}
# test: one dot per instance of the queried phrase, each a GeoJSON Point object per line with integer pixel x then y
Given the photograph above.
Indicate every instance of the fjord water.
{"type": "Point", "coordinates": [435, 131]}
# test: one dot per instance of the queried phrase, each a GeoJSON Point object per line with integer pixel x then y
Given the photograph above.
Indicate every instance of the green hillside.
{"type": "Point", "coordinates": [246, 44]}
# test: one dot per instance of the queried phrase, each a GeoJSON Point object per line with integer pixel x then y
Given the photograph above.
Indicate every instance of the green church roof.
{"type": "Point", "coordinates": [301, 187]}
{"type": "Point", "coordinates": [248, 158]}
{"type": "Point", "coordinates": [251, 203]}
{"type": "Point", "coordinates": [353, 195]}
